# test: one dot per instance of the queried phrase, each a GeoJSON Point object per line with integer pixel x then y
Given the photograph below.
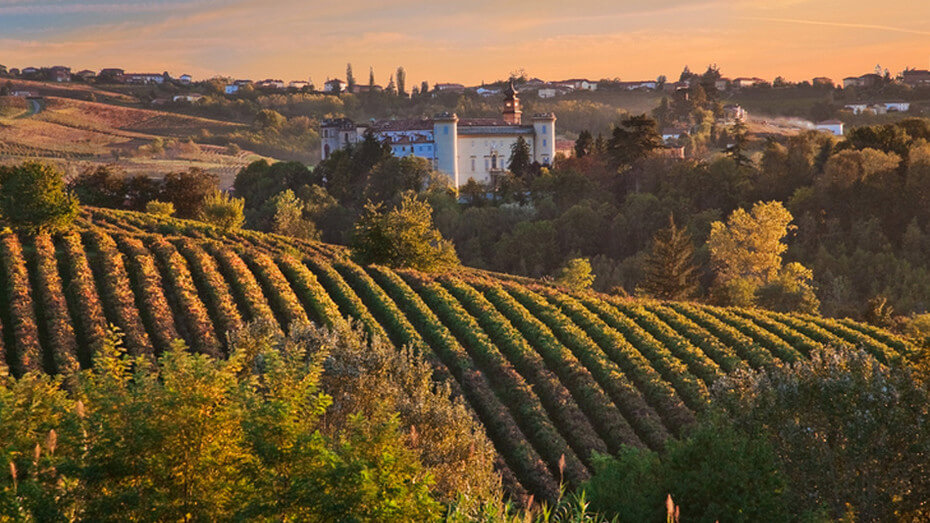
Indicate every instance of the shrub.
{"type": "Point", "coordinates": [159, 208]}
{"type": "Point", "coordinates": [223, 211]}
{"type": "Point", "coordinates": [403, 237]}
{"type": "Point", "coordinates": [576, 274]}
{"type": "Point", "coordinates": [33, 198]}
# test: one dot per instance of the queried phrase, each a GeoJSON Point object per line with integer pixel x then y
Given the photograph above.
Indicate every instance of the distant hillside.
{"type": "Point", "coordinates": [63, 127]}
{"type": "Point", "coordinates": [548, 373]}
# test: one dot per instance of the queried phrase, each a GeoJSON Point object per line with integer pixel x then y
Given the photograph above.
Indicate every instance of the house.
{"type": "Point", "coordinates": [143, 78]}
{"type": "Point", "coordinates": [834, 127]}
{"type": "Point", "coordinates": [916, 77]}
{"type": "Point", "coordinates": [185, 79]}
{"type": "Point", "coordinates": [59, 73]}
{"type": "Point", "coordinates": [242, 83]}
{"type": "Point", "coordinates": [358, 88]}
{"type": "Point", "coordinates": [461, 148]}
{"type": "Point", "coordinates": [30, 72]}
{"type": "Point", "coordinates": [857, 108]}
{"type": "Point", "coordinates": [488, 91]}
{"type": "Point", "coordinates": [822, 81]}
{"type": "Point", "coordinates": [722, 84]}
{"type": "Point", "coordinates": [334, 86]}
{"type": "Point", "coordinates": [637, 86]}
{"type": "Point", "coordinates": [734, 112]}
{"type": "Point", "coordinates": [864, 81]}
{"type": "Point", "coordinates": [897, 107]}
{"type": "Point", "coordinates": [579, 84]}
{"type": "Point", "coordinates": [449, 88]}
{"type": "Point", "coordinates": [111, 74]}
{"type": "Point", "coordinates": [25, 94]}
{"type": "Point", "coordinates": [189, 98]}
{"type": "Point", "coordinates": [552, 90]}
{"type": "Point", "coordinates": [86, 75]}
{"type": "Point", "coordinates": [231, 89]}
{"type": "Point", "coordinates": [671, 134]}
{"type": "Point", "coordinates": [748, 82]}
{"type": "Point", "coordinates": [270, 84]}
{"type": "Point", "coordinates": [298, 84]}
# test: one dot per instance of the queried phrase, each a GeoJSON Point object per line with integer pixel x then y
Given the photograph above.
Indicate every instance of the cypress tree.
{"type": "Point", "coordinates": [670, 273]}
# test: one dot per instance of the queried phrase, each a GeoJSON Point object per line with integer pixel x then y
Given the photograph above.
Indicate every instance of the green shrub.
{"type": "Point", "coordinates": [158, 208]}
{"type": "Point", "coordinates": [223, 211]}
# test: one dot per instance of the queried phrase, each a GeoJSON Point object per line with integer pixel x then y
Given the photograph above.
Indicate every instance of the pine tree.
{"type": "Point", "coordinates": [583, 144]}
{"type": "Point", "coordinates": [371, 78]}
{"type": "Point", "coordinates": [520, 159]}
{"type": "Point", "coordinates": [350, 78]}
{"type": "Point", "coordinates": [670, 273]}
{"type": "Point", "coordinates": [401, 81]}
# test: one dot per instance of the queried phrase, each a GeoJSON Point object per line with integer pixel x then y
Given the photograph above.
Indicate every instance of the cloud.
{"type": "Point", "coordinates": [844, 25]}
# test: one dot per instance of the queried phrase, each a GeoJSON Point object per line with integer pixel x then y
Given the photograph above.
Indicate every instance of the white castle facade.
{"type": "Point", "coordinates": [462, 148]}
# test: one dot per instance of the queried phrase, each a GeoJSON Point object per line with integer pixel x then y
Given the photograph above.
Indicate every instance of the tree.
{"type": "Point", "coordinates": [223, 211]}
{"type": "Point", "coordinates": [633, 140]}
{"type": "Point", "coordinates": [33, 198]}
{"type": "Point", "coordinates": [520, 160]}
{"type": "Point", "coordinates": [269, 119]}
{"type": "Point", "coordinates": [576, 274]}
{"type": "Point", "coordinates": [371, 78]}
{"type": "Point", "coordinates": [424, 88]}
{"type": "Point", "coordinates": [669, 270]}
{"type": "Point", "coordinates": [101, 186]}
{"type": "Point", "coordinates": [401, 82]}
{"type": "Point", "coordinates": [747, 256]}
{"type": "Point", "coordinates": [584, 144]}
{"type": "Point", "coordinates": [289, 217]}
{"type": "Point", "coordinates": [187, 190]}
{"type": "Point", "coordinates": [403, 237]}
{"type": "Point", "coordinates": [350, 79]}
{"type": "Point", "coordinates": [737, 149]}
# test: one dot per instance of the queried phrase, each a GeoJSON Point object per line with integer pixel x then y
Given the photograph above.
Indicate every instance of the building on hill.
{"type": "Point", "coordinates": [834, 127]}
{"type": "Point", "coordinates": [864, 81]}
{"type": "Point", "coordinates": [449, 88]}
{"type": "Point", "coordinates": [143, 78]}
{"type": "Point", "coordinates": [59, 73]}
{"type": "Point", "coordinates": [334, 86]}
{"type": "Point", "coordinates": [916, 77]}
{"type": "Point", "coordinates": [461, 148]}
{"type": "Point", "coordinates": [579, 84]}
{"type": "Point", "coordinates": [185, 79]}
{"type": "Point", "coordinates": [86, 75]}
{"type": "Point", "coordinates": [822, 81]}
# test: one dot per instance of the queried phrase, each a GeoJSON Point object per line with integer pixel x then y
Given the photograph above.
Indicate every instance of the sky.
{"type": "Point", "coordinates": [469, 41]}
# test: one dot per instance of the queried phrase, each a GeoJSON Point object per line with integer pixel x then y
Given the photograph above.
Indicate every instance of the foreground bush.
{"type": "Point", "coordinates": [33, 198]}
{"type": "Point", "coordinates": [837, 436]}
{"type": "Point", "coordinates": [255, 436]}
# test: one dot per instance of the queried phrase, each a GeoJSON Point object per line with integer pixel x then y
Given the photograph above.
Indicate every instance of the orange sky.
{"type": "Point", "coordinates": [469, 41]}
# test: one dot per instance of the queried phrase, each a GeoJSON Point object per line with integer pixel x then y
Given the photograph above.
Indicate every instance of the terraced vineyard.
{"type": "Point", "coordinates": [552, 376]}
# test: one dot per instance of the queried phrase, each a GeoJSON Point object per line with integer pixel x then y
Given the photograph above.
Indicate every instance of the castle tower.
{"type": "Point", "coordinates": [512, 113]}
{"type": "Point", "coordinates": [446, 144]}
{"type": "Point", "coordinates": [544, 138]}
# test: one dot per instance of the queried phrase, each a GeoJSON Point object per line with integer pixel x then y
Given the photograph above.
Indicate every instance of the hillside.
{"type": "Point", "coordinates": [547, 372]}
{"type": "Point", "coordinates": [63, 128]}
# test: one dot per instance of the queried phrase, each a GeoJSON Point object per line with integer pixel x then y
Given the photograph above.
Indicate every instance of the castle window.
{"type": "Point", "coordinates": [445, 130]}
{"type": "Point", "coordinates": [486, 164]}
{"type": "Point", "coordinates": [544, 129]}
{"type": "Point", "coordinates": [472, 164]}
{"type": "Point", "coordinates": [544, 142]}
{"type": "Point", "coordinates": [493, 161]}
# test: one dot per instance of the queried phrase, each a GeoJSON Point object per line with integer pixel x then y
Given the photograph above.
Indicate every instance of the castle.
{"type": "Point", "coordinates": [462, 148]}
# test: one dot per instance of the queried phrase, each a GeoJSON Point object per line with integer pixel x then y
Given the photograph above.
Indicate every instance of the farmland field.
{"type": "Point", "coordinates": [553, 376]}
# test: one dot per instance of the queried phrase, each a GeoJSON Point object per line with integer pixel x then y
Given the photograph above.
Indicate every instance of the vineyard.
{"type": "Point", "coordinates": [552, 376]}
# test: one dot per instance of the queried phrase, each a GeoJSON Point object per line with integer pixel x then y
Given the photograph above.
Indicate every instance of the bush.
{"type": "Point", "coordinates": [576, 274]}
{"type": "Point", "coordinates": [192, 437]}
{"type": "Point", "coordinates": [403, 237]}
{"type": "Point", "coordinates": [850, 433]}
{"type": "Point", "coordinates": [223, 211]}
{"type": "Point", "coordinates": [162, 209]}
{"type": "Point", "coordinates": [33, 198]}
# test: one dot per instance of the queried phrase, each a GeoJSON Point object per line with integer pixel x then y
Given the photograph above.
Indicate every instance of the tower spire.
{"type": "Point", "coordinates": [512, 113]}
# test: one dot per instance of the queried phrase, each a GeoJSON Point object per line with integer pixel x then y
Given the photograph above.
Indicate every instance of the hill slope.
{"type": "Point", "coordinates": [548, 373]}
